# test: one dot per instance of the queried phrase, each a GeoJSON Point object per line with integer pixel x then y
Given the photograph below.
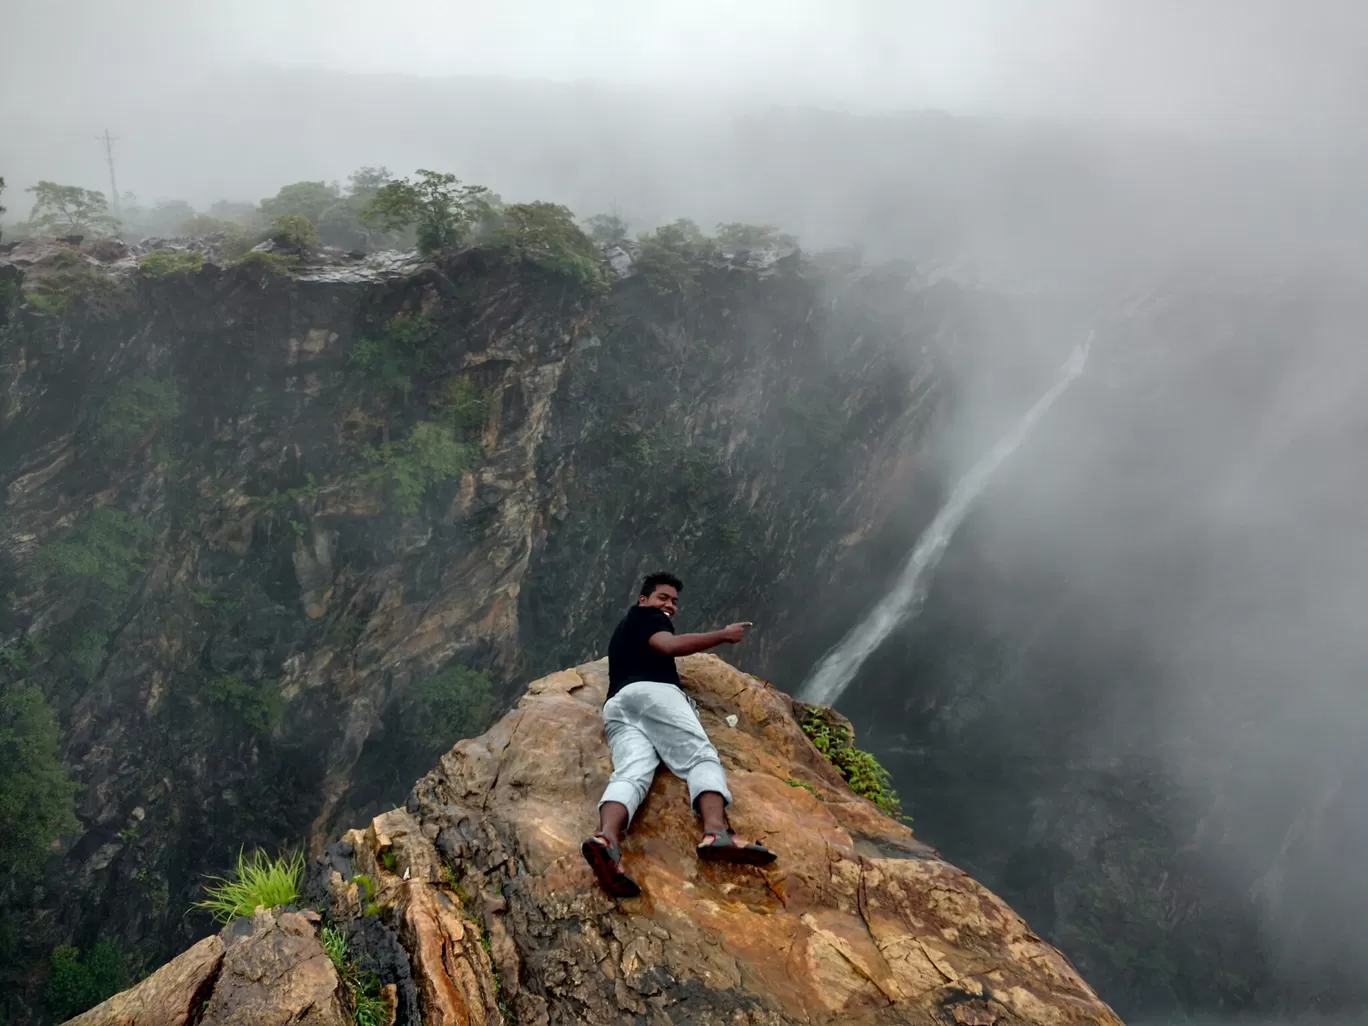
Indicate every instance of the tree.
{"type": "Point", "coordinates": [670, 256]}
{"type": "Point", "coordinates": [441, 209]}
{"type": "Point", "coordinates": [70, 210]}
{"type": "Point", "coordinates": [607, 228]}
{"type": "Point", "coordinates": [545, 234]}
{"type": "Point", "coordinates": [231, 210]}
{"type": "Point", "coordinates": [2, 209]}
{"type": "Point", "coordinates": [365, 182]}
{"type": "Point", "coordinates": [36, 798]}
{"type": "Point", "coordinates": [342, 225]}
{"type": "Point", "coordinates": [167, 217]}
{"type": "Point", "coordinates": [752, 236]}
{"type": "Point", "coordinates": [308, 199]}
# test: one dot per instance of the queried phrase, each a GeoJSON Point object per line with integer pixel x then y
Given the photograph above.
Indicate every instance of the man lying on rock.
{"type": "Point", "coordinates": [648, 718]}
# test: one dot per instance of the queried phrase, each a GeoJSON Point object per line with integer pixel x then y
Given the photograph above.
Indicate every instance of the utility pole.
{"type": "Point", "coordinates": [109, 156]}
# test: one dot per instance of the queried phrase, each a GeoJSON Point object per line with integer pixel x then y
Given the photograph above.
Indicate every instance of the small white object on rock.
{"type": "Point", "coordinates": [732, 719]}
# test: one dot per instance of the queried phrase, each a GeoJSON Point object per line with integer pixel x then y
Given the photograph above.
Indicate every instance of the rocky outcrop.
{"type": "Point", "coordinates": [480, 878]}
{"type": "Point", "coordinates": [269, 970]}
{"type": "Point", "coordinates": [173, 995]}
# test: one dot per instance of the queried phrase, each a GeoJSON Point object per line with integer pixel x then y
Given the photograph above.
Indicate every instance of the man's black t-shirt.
{"type": "Point", "coordinates": [630, 655]}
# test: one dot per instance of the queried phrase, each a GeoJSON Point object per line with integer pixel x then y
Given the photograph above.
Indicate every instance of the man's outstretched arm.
{"type": "Point", "coordinates": [687, 644]}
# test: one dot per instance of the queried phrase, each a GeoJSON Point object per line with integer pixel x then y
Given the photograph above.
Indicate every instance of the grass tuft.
{"type": "Point", "coordinates": [257, 880]}
{"type": "Point", "coordinates": [368, 1007]}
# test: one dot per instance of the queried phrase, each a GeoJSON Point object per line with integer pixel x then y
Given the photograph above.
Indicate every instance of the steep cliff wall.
{"type": "Point", "coordinates": [273, 541]}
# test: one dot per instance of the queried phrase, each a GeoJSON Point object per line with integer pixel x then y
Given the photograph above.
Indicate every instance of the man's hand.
{"type": "Point", "coordinates": [734, 632]}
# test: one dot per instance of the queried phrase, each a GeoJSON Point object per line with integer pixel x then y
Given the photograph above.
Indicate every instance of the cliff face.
{"type": "Point", "coordinates": [475, 906]}
{"type": "Point", "coordinates": [273, 542]}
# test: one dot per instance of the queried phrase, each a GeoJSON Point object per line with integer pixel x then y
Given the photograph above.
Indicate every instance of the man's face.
{"type": "Point", "coordinates": [664, 598]}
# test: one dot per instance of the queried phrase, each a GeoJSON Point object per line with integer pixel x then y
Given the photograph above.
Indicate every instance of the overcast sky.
{"type": "Point", "coordinates": [1228, 65]}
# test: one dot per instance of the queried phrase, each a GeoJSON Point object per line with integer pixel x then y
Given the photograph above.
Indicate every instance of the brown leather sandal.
{"type": "Point", "coordinates": [605, 859]}
{"type": "Point", "coordinates": [723, 847]}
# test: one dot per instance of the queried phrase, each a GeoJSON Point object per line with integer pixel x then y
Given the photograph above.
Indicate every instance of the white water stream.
{"type": "Point", "coordinates": [829, 679]}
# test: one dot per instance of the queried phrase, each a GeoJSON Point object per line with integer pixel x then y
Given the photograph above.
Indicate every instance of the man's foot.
{"type": "Point", "coordinates": [722, 846]}
{"type": "Point", "coordinates": [605, 859]}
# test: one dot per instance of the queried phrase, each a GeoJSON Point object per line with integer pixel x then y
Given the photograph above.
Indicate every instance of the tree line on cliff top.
{"type": "Point", "coordinates": [431, 211]}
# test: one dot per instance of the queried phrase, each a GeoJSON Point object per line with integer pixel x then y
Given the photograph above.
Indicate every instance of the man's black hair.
{"type": "Point", "coordinates": [654, 581]}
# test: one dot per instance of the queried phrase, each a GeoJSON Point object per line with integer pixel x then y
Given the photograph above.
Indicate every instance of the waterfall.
{"type": "Point", "coordinates": [828, 681]}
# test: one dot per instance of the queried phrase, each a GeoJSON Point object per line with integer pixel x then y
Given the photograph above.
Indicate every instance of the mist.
{"type": "Point", "coordinates": [1168, 576]}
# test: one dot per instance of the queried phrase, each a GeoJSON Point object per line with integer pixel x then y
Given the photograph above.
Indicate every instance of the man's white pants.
{"type": "Point", "coordinates": [648, 722]}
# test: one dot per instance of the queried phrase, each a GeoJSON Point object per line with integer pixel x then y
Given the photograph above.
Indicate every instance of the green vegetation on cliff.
{"type": "Point", "coordinates": [75, 984]}
{"type": "Point", "coordinates": [392, 357]}
{"type": "Point", "coordinates": [52, 285]}
{"type": "Point", "coordinates": [441, 210]}
{"type": "Point", "coordinates": [263, 266]}
{"type": "Point", "coordinates": [255, 704]}
{"type": "Point", "coordinates": [294, 233]}
{"type": "Point", "coordinates": [162, 263]}
{"type": "Point", "coordinates": [36, 797]}
{"type": "Point", "coordinates": [135, 408]}
{"type": "Point", "coordinates": [455, 703]}
{"type": "Point", "coordinates": [430, 455]}
{"type": "Point", "coordinates": [95, 562]}
{"type": "Point", "coordinates": [860, 769]}
{"type": "Point", "coordinates": [546, 236]}
{"type": "Point", "coordinates": [363, 988]}
{"type": "Point", "coordinates": [257, 879]}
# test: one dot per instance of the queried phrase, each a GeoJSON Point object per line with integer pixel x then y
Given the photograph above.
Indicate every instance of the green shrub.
{"type": "Point", "coordinates": [294, 232]}
{"type": "Point", "coordinates": [97, 561]}
{"type": "Point", "coordinates": [75, 984]}
{"type": "Point", "coordinates": [461, 405]}
{"type": "Point", "coordinates": [256, 880]}
{"type": "Point", "coordinates": [101, 554]}
{"type": "Point", "coordinates": [133, 408]}
{"type": "Point", "coordinates": [36, 797]}
{"type": "Point", "coordinates": [546, 236]}
{"type": "Point", "coordinates": [859, 768]}
{"type": "Point", "coordinates": [430, 455]}
{"type": "Point", "coordinates": [259, 264]}
{"type": "Point", "coordinates": [161, 263]}
{"type": "Point", "coordinates": [456, 703]}
{"type": "Point", "coordinates": [392, 358]}
{"type": "Point", "coordinates": [257, 705]}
